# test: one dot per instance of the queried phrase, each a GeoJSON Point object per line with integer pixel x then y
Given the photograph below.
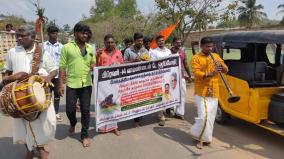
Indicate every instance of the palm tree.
{"type": "Point", "coordinates": [250, 14]}
{"type": "Point", "coordinates": [281, 7]}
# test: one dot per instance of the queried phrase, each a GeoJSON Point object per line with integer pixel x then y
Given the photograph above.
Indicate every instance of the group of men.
{"type": "Point", "coordinates": [74, 62]}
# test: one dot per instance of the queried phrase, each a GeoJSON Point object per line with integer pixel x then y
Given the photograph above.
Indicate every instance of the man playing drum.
{"type": "Point", "coordinates": [36, 133]}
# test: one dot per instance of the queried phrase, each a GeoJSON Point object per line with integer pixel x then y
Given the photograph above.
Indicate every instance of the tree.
{"type": "Point", "coordinates": [192, 14]}
{"type": "Point", "coordinates": [281, 8]}
{"type": "Point", "coordinates": [123, 27]}
{"type": "Point", "coordinates": [250, 14]}
{"type": "Point", "coordinates": [51, 22]}
{"type": "Point", "coordinates": [14, 20]}
{"type": "Point", "coordinates": [66, 28]}
{"type": "Point", "coordinates": [232, 23]}
{"type": "Point", "coordinates": [120, 18]}
{"type": "Point", "coordinates": [103, 9]}
{"type": "Point", "coordinates": [126, 8]}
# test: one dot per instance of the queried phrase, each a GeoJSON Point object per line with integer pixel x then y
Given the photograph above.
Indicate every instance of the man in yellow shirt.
{"type": "Point", "coordinates": [206, 91]}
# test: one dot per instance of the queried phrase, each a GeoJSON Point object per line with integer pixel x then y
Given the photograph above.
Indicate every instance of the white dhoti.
{"type": "Point", "coordinates": [179, 110]}
{"type": "Point", "coordinates": [202, 129]}
{"type": "Point", "coordinates": [36, 133]}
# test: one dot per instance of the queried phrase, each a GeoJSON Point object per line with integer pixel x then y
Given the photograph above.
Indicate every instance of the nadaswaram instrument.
{"type": "Point", "coordinates": [232, 98]}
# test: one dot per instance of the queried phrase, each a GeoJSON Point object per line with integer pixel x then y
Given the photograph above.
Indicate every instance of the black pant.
{"type": "Point", "coordinates": [56, 98]}
{"type": "Point", "coordinates": [137, 120]}
{"type": "Point", "coordinates": [84, 95]}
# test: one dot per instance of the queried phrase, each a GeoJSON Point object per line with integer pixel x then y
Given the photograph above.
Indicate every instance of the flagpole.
{"type": "Point", "coordinates": [41, 26]}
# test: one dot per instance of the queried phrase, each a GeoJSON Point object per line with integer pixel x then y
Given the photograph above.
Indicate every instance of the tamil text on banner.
{"type": "Point", "coordinates": [128, 91]}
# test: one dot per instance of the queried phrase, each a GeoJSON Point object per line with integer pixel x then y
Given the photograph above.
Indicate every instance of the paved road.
{"type": "Point", "coordinates": [236, 140]}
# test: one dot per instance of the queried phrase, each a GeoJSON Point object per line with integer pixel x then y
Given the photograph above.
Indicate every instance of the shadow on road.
{"type": "Point", "coordinates": [62, 132]}
{"type": "Point", "coordinates": [179, 136]}
{"type": "Point", "coordinates": [244, 135]}
{"type": "Point", "coordinates": [254, 139]}
{"type": "Point", "coordinates": [145, 120]}
{"type": "Point", "coordinates": [10, 150]}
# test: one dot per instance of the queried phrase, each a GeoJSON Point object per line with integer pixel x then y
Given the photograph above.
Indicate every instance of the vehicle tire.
{"type": "Point", "coordinates": [280, 124]}
{"type": "Point", "coordinates": [276, 112]}
{"type": "Point", "coordinates": [221, 116]}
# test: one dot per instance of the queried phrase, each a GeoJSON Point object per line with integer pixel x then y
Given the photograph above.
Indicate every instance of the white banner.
{"type": "Point", "coordinates": [128, 91]}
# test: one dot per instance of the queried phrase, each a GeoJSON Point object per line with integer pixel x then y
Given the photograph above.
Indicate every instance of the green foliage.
{"type": "Point", "coordinates": [281, 11]}
{"type": "Point", "coordinates": [105, 9]}
{"type": "Point", "coordinates": [39, 10]}
{"type": "Point", "coordinates": [12, 19]}
{"type": "Point", "coordinates": [126, 8]}
{"type": "Point", "coordinates": [66, 28]}
{"type": "Point", "coordinates": [250, 14]}
{"type": "Point", "coordinates": [192, 14]}
{"type": "Point", "coordinates": [122, 27]}
{"type": "Point", "coordinates": [122, 19]}
{"type": "Point", "coordinates": [233, 23]}
{"type": "Point", "coordinates": [50, 23]}
{"type": "Point", "coordinates": [102, 10]}
{"type": "Point", "coordinates": [282, 21]}
{"type": "Point", "coordinates": [268, 22]}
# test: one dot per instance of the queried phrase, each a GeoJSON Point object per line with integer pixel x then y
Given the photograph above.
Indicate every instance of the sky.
{"type": "Point", "coordinates": [71, 11]}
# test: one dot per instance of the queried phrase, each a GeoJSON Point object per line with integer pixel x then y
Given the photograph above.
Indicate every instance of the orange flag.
{"type": "Point", "coordinates": [166, 33]}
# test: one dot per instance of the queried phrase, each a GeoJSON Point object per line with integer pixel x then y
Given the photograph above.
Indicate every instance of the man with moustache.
{"type": "Point", "coordinates": [39, 132]}
{"type": "Point", "coordinates": [133, 54]}
{"type": "Point", "coordinates": [76, 61]}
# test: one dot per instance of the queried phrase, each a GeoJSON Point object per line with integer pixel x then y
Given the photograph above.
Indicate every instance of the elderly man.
{"type": "Point", "coordinates": [35, 133]}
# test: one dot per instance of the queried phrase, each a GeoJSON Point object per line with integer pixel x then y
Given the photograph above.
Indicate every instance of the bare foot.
{"type": "Point", "coordinates": [116, 132]}
{"type": "Point", "coordinates": [162, 123]}
{"type": "Point", "coordinates": [71, 130]}
{"type": "Point", "coordinates": [43, 153]}
{"type": "Point", "coordinates": [86, 142]}
{"type": "Point", "coordinates": [199, 145]}
{"type": "Point", "coordinates": [29, 155]}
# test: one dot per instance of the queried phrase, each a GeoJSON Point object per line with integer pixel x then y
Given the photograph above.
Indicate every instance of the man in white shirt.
{"type": "Point", "coordinates": [54, 48]}
{"type": "Point", "coordinates": [160, 52]}
{"type": "Point", "coordinates": [35, 133]}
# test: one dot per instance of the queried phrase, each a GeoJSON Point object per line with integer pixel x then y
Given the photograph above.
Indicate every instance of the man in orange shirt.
{"type": "Point", "coordinates": [206, 91]}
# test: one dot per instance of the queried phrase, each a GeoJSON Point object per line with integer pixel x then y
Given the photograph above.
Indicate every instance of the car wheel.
{"type": "Point", "coordinates": [221, 116]}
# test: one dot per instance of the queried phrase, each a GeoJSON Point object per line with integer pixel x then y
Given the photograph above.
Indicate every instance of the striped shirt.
{"type": "Point", "coordinates": [54, 50]}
